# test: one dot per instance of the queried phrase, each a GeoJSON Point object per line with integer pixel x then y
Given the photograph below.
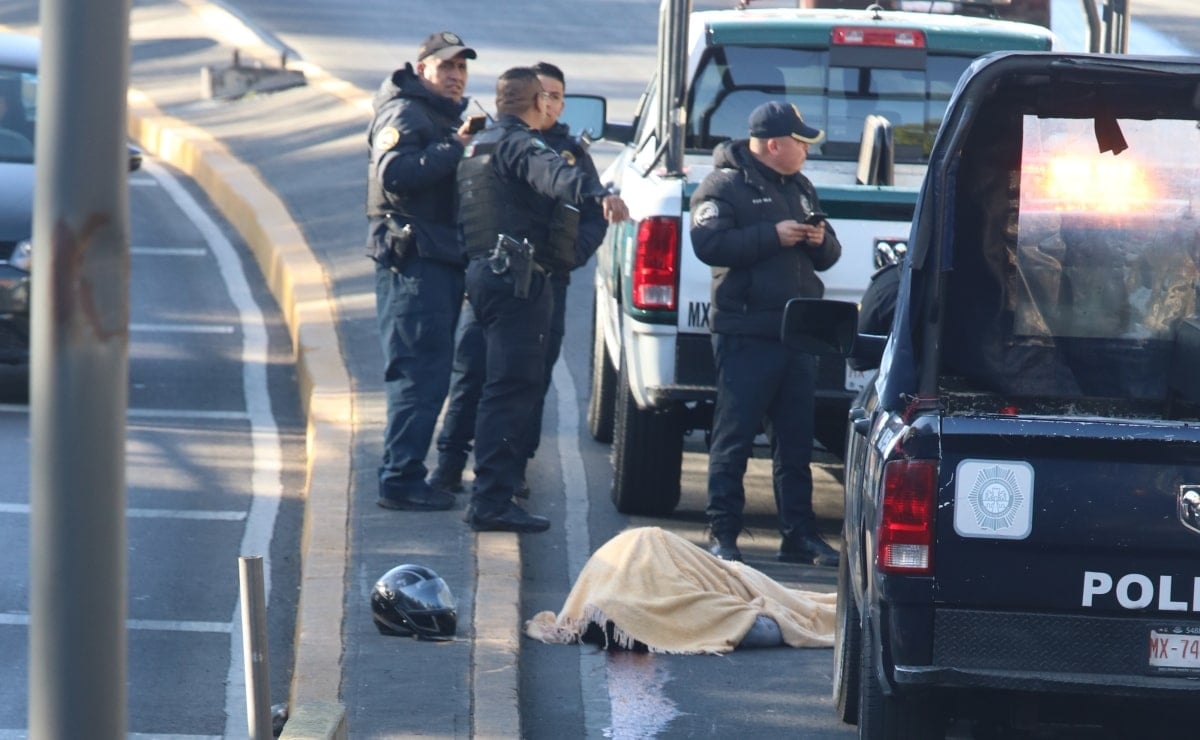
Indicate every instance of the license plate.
{"type": "Point", "coordinates": [856, 380]}
{"type": "Point", "coordinates": [1174, 651]}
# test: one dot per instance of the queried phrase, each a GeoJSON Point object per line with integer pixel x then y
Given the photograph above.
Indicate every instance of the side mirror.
{"type": "Point", "coordinates": [584, 115]}
{"type": "Point", "coordinates": [820, 327]}
{"type": "Point", "coordinates": [868, 351]}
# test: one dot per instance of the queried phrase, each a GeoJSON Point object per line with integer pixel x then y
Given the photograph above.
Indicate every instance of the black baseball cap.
{"type": "Point", "coordinates": [444, 45]}
{"type": "Point", "coordinates": [775, 119]}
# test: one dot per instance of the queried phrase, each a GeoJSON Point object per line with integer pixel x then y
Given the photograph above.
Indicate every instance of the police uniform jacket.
{"type": "Point", "coordinates": [412, 165]}
{"type": "Point", "coordinates": [592, 226]}
{"type": "Point", "coordinates": [529, 179]}
{"type": "Point", "coordinates": [734, 212]}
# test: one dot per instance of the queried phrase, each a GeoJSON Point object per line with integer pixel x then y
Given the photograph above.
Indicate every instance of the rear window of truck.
{"type": "Point", "coordinates": [912, 95]}
{"type": "Point", "coordinates": [1075, 269]}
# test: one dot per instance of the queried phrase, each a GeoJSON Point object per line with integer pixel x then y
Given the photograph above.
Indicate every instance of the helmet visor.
{"type": "Point", "coordinates": [428, 595]}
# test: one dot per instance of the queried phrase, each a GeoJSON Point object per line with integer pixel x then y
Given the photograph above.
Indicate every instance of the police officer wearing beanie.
{"type": "Point", "coordinates": [416, 140]}
{"type": "Point", "coordinates": [458, 424]}
{"type": "Point", "coordinates": [514, 193]}
{"type": "Point", "coordinates": [749, 223]}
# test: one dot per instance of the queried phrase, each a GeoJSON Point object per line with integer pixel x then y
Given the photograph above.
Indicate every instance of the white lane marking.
{"type": "Point", "coordinates": [592, 669]}
{"type": "Point", "coordinates": [266, 482]}
{"type": "Point", "coordinates": [188, 414]}
{"type": "Point", "coordinates": [183, 328]}
{"type": "Point", "coordinates": [190, 515]}
{"type": "Point", "coordinates": [141, 182]}
{"type": "Point", "coordinates": [169, 251]}
{"type": "Point", "coordinates": [21, 619]}
{"type": "Point", "coordinates": [203, 414]}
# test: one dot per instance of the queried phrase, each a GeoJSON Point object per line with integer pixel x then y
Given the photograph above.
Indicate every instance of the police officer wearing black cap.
{"type": "Point", "coordinates": [416, 141]}
{"type": "Point", "coordinates": [458, 424]}
{"type": "Point", "coordinates": [518, 217]}
{"type": "Point", "coordinates": [758, 222]}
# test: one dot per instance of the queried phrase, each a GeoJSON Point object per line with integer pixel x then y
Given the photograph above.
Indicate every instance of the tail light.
{"type": "Point", "coordinates": [905, 541]}
{"type": "Point", "coordinates": [656, 263]}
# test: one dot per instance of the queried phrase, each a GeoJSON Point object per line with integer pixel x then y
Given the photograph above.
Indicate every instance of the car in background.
{"type": "Point", "coordinates": [18, 118]}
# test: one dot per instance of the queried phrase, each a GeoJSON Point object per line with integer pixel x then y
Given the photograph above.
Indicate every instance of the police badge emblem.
{"type": "Point", "coordinates": [994, 499]}
{"type": "Point", "coordinates": [387, 137]}
{"type": "Point", "coordinates": [568, 156]}
{"type": "Point", "coordinates": [707, 211]}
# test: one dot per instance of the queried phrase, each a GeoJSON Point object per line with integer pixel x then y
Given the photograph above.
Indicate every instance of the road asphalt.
{"type": "Point", "coordinates": [281, 168]}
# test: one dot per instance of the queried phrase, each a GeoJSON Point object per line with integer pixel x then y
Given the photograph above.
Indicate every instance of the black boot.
{"type": "Point", "coordinates": [806, 548]}
{"type": "Point", "coordinates": [511, 518]}
{"type": "Point", "coordinates": [446, 479]}
{"type": "Point", "coordinates": [420, 497]}
{"type": "Point", "coordinates": [725, 547]}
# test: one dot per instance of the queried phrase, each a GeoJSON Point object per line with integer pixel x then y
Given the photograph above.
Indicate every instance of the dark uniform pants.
{"type": "Point", "coordinates": [417, 309]}
{"type": "Point", "coordinates": [458, 425]}
{"type": "Point", "coordinates": [558, 319]}
{"type": "Point", "coordinates": [515, 332]}
{"type": "Point", "coordinates": [759, 381]}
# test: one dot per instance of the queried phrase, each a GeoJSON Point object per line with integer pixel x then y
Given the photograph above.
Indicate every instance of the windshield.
{"type": "Point", "coordinates": [18, 111]}
{"type": "Point", "coordinates": [733, 80]}
{"type": "Point", "coordinates": [1087, 289]}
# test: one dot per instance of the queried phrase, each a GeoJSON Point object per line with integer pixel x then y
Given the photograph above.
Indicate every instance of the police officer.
{"type": "Point", "coordinates": [749, 222]}
{"type": "Point", "coordinates": [416, 141]}
{"type": "Point", "coordinates": [514, 193]}
{"type": "Point", "coordinates": [458, 424]}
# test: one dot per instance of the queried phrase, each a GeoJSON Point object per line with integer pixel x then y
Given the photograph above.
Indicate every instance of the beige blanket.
{"type": "Point", "coordinates": [660, 589]}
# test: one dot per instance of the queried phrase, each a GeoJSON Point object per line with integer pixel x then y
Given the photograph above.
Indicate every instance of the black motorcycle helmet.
{"type": "Point", "coordinates": [413, 601]}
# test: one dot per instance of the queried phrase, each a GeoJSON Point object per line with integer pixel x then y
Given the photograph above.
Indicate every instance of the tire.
{"type": "Point", "coordinates": [602, 402]}
{"type": "Point", "coordinates": [647, 455]}
{"type": "Point", "coordinates": [883, 717]}
{"type": "Point", "coordinates": [847, 647]}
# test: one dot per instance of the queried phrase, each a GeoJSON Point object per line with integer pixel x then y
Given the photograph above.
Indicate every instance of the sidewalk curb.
{"type": "Point", "coordinates": [297, 280]}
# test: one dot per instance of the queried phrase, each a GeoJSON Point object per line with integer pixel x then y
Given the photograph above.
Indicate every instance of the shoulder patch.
{"type": "Point", "coordinates": [387, 137]}
{"type": "Point", "coordinates": [707, 211]}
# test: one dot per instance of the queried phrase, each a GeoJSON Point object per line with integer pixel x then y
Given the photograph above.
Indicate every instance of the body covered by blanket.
{"type": "Point", "coordinates": [661, 590]}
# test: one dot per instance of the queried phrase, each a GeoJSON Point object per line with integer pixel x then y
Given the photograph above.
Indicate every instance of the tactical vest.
{"type": "Point", "coordinates": [488, 207]}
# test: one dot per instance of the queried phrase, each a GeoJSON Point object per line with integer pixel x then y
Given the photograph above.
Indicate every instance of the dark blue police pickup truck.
{"type": "Point", "coordinates": [1022, 517]}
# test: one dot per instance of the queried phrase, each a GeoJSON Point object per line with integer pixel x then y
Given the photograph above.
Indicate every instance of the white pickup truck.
{"type": "Point", "coordinates": [877, 82]}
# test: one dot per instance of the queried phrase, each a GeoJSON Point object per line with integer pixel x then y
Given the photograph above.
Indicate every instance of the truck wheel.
{"type": "Point", "coordinates": [883, 717]}
{"type": "Point", "coordinates": [601, 404]}
{"type": "Point", "coordinates": [647, 455]}
{"type": "Point", "coordinates": [847, 646]}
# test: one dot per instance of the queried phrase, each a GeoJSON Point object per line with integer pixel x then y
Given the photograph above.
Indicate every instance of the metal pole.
{"type": "Point", "coordinates": [79, 375]}
{"type": "Point", "coordinates": [1123, 44]}
{"type": "Point", "coordinates": [1109, 30]}
{"type": "Point", "coordinates": [1093, 24]}
{"type": "Point", "coordinates": [254, 647]}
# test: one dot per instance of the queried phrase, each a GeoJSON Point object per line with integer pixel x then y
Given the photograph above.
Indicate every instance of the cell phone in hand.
{"type": "Point", "coordinates": [815, 218]}
{"type": "Point", "coordinates": [475, 124]}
